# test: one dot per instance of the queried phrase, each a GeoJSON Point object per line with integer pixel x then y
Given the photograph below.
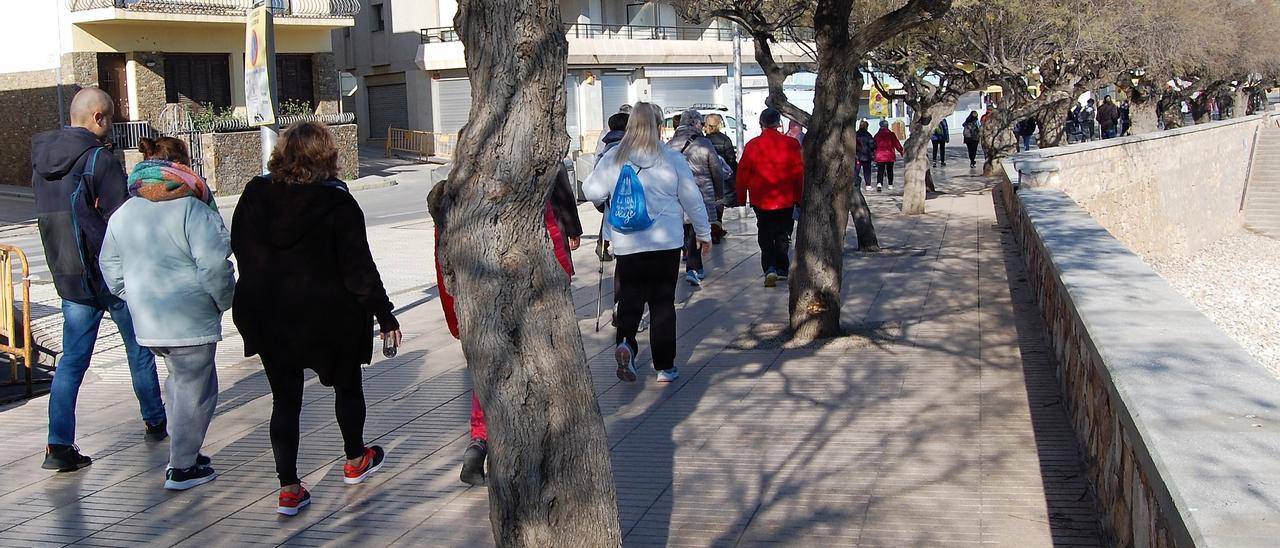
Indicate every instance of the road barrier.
{"type": "Point", "coordinates": [423, 144]}
{"type": "Point", "coordinates": [10, 328]}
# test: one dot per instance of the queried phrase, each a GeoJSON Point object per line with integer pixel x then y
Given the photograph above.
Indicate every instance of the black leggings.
{"type": "Point", "coordinates": [881, 168]}
{"type": "Point", "coordinates": [649, 278]}
{"type": "Point", "coordinates": [866, 166]}
{"type": "Point", "coordinates": [973, 150]}
{"type": "Point", "coordinates": [939, 151]}
{"type": "Point", "coordinates": [286, 408]}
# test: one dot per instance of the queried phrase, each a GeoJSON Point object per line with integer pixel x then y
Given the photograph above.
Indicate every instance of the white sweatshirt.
{"type": "Point", "coordinates": [670, 194]}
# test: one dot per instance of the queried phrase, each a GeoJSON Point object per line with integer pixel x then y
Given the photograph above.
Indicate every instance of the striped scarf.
{"type": "Point", "coordinates": [162, 180]}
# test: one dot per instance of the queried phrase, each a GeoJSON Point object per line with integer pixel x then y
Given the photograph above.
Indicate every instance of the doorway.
{"type": "Point", "coordinates": [113, 79]}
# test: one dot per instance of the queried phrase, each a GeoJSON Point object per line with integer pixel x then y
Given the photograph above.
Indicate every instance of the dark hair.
{"type": "Point", "coordinates": [770, 118]}
{"type": "Point", "coordinates": [305, 154]}
{"type": "Point", "coordinates": [164, 148]}
{"type": "Point", "coordinates": [618, 122]}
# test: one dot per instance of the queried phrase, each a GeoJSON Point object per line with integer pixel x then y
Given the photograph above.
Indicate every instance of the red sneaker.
{"type": "Point", "coordinates": [290, 503]}
{"type": "Point", "coordinates": [369, 463]}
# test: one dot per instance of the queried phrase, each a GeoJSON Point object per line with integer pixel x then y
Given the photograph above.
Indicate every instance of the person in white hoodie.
{"type": "Point", "coordinates": [649, 260]}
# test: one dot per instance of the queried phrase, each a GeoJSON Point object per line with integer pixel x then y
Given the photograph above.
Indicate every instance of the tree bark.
{"type": "Point", "coordinates": [917, 148]}
{"type": "Point", "coordinates": [998, 141]}
{"type": "Point", "coordinates": [1053, 123]}
{"type": "Point", "coordinates": [550, 482]}
{"type": "Point", "coordinates": [816, 282]}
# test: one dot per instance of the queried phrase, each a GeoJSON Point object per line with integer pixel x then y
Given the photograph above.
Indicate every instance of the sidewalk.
{"type": "Point", "coordinates": [937, 423]}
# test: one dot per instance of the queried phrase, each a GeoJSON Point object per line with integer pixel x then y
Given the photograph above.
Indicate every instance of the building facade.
{"type": "Point", "coordinates": [149, 54]}
{"type": "Point", "coordinates": [411, 73]}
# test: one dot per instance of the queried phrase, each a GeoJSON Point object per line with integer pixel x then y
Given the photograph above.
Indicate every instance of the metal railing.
{"type": "Point", "coordinates": [283, 8]}
{"type": "Point", "coordinates": [242, 124]}
{"type": "Point", "coordinates": [10, 328]}
{"type": "Point", "coordinates": [607, 32]}
{"type": "Point", "coordinates": [419, 143]}
{"type": "Point", "coordinates": [127, 135]}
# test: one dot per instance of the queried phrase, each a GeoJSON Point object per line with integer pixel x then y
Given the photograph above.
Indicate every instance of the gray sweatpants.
{"type": "Point", "coordinates": [191, 395]}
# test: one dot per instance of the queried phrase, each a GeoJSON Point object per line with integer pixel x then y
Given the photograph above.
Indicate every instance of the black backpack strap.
{"type": "Point", "coordinates": [687, 143]}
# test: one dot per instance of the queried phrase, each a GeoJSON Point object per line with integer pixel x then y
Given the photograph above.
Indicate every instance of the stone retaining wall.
{"type": "Point", "coordinates": [1180, 427]}
{"type": "Point", "coordinates": [232, 159]}
{"type": "Point", "coordinates": [1164, 194]}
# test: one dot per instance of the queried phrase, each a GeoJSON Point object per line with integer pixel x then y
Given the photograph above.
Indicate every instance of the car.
{"type": "Point", "coordinates": [730, 128]}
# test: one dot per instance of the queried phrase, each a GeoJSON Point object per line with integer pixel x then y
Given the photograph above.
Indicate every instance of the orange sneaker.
{"type": "Point", "coordinates": [290, 503]}
{"type": "Point", "coordinates": [369, 463]}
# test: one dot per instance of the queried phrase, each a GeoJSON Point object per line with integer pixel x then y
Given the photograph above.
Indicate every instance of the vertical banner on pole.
{"type": "Point", "coordinates": [877, 104]}
{"type": "Point", "coordinates": [259, 63]}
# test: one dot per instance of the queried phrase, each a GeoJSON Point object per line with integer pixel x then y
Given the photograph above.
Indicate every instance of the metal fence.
{"type": "Point", "coordinates": [242, 124]}
{"type": "Point", "coordinates": [126, 135]}
{"type": "Point", "coordinates": [608, 32]}
{"type": "Point", "coordinates": [15, 329]}
{"type": "Point", "coordinates": [284, 8]}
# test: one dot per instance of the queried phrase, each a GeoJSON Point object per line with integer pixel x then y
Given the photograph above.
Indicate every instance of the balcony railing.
{"type": "Point", "coordinates": [283, 8]}
{"type": "Point", "coordinates": [608, 32]}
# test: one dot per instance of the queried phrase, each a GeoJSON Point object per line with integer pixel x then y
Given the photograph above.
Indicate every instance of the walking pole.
{"type": "Point", "coordinates": [600, 280]}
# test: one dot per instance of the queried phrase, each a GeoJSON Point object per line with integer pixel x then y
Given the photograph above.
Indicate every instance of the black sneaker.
{"type": "Point", "coordinates": [473, 463]}
{"type": "Point", "coordinates": [158, 432]}
{"type": "Point", "coordinates": [64, 458]}
{"type": "Point", "coordinates": [186, 478]}
{"type": "Point", "coordinates": [203, 460]}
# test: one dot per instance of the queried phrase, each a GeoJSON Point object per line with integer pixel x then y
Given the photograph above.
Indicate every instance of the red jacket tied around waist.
{"type": "Point", "coordinates": [771, 171]}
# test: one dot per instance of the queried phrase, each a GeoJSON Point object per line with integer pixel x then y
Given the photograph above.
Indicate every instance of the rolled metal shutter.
{"type": "Point", "coordinates": [388, 107]}
{"type": "Point", "coordinates": [613, 94]}
{"type": "Point", "coordinates": [455, 104]}
{"type": "Point", "coordinates": [683, 92]}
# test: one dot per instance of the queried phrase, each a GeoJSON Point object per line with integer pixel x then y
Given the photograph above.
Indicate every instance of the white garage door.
{"type": "Point", "coordinates": [388, 107]}
{"type": "Point", "coordinates": [613, 93]}
{"type": "Point", "coordinates": [683, 92]}
{"type": "Point", "coordinates": [455, 104]}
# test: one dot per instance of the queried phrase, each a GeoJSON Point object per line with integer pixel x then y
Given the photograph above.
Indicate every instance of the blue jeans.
{"type": "Point", "coordinates": [79, 333]}
{"type": "Point", "coordinates": [1026, 142]}
{"type": "Point", "coordinates": [1109, 133]}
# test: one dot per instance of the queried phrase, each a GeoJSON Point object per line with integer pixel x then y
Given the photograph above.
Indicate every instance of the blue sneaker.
{"type": "Point", "coordinates": [693, 279]}
{"type": "Point", "coordinates": [668, 375]}
{"type": "Point", "coordinates": [702, 273]}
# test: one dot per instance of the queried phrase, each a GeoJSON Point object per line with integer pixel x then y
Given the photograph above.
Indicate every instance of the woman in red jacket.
{"type": "Point", "coordinates": [888, 147]}
{"type": "Point", "coordinates": [565, 230]}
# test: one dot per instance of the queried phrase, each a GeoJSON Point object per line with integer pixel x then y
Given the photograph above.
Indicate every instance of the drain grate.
{"type": "Point", "coordinates": [776, 336]}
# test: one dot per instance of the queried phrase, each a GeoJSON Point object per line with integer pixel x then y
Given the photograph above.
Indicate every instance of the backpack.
{"type": "Point", "coordinates": [970, 132]}
{"type": "Point", "coordinates": [628, 211]}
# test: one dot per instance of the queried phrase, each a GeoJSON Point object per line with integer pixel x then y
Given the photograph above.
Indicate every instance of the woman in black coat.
{"type": "Point", "coordinates": [307, 297]}
{"type": "Point", "coordinates": [724, 146]}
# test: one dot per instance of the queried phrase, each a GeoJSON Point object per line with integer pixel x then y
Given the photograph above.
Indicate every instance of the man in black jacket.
{"type": "Point", "coordinates": [78, 183]}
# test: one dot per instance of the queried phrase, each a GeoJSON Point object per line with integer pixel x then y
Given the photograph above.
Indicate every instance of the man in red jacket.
{"type": "Point", "coordinates": [771, 175]}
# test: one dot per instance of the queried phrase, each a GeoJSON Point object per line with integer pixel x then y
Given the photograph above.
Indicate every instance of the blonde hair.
{"type": "Point", "coordinates": [641, 144]}
{"type": "Point", "coordinates": [713, 123]}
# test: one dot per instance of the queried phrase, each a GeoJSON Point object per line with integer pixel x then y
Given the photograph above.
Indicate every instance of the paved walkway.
{"type": "Point", "coordinates": [937, 423]}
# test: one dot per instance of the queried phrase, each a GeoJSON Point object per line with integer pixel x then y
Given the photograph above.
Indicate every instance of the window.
{"type": "Point", "coordinates": [294, 78]}
{"type": "Point", "coordinates": [201, 79]}
{"type": "Point", "coordinates": [378, 22]}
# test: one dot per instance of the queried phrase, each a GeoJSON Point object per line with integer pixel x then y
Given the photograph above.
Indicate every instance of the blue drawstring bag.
{"type": "Point", "coordinates": [628, 211]}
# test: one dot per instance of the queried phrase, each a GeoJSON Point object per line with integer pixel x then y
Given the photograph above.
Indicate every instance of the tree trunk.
{"type": "Point", "coordinates": [549, 480]}
{"type": "Point", "coordinates": [998, 141]}
{"type": "Point", "coordinates": [816, 282]}
{"type": "Point", "coordinates": [918, 146]}
{"type": "Point", "coordinates": [1144, 116]}
{"type": "Point", "coordinates": [1053, 123]}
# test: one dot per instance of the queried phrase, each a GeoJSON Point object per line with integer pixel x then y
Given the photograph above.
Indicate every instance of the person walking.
{"type": "Point", "coordinates": [78, 185]}
{"type": "Point", "coordinates": [865, 151]}
{"type": "Point", "coordinates": [771, 176]}
{"type": "Point", "coordinates": [709, 172]}
{"type": "Point", "coordinates": [972, 134]}
{"type": "Point", "coordinates": [1088, 118]}
{"type": "Point", "coordinates": [649, 259]}
{"type": "Point", "coordinates": [1108, 118]}
{"type": "Point", "coordinates": [795, 131]}
{"type": "Point", "coordinates": [1026, 132]}
{"type": "Point", "coordinates": [941, 136]}
{"type": "Point", "coordinates": [564, 229]}
{"type": "Point", "coordinates": [617, 125]}
{"type": "Point", "coordinates": [888, 147]}
{"type": "Point", "coordinates": [1126, 121]}
{"type": "Point", "coordinates": [166, 254]}
{"type": "Point", "coordinates": [307, 297]}
{"type": "Point", "coordinates": [713, 127]}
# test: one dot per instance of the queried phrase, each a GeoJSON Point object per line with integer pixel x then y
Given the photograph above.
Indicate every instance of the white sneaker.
{"type": "Point", "coordinates": [668, 375]}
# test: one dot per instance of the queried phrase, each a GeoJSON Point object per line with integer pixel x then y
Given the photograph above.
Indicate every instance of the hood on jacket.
{"type": "Point", "coordinates": [54, 153]}
{"type": "Point", "coordinates": [287, 212]}
{"type": "Point", "coordinates": [614, 135]}
{"type": "Point", "coordinates": [682, 134]}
